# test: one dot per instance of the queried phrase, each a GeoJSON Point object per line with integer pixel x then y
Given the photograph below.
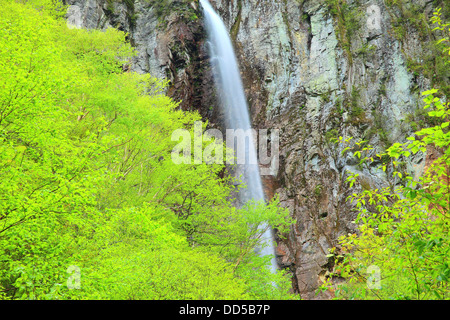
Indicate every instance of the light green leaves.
{"type": "Point", "coordinates": [403, 231]}
{"type": "Point", "coordinates": [428, 92]}
{"type": "Point", "coordinates": [86, 178]}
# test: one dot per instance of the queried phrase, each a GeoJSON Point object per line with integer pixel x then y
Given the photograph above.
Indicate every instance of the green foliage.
{"type": "Point", "coordinates": [348, 22]}
{"type": "Point", "coordinates": [433, 64]}
{"type": "Point", "coordinates": [237, 22]}
{"type": "Point", "coordinates": [318, 190]}
{"type": "Point", "coordinates": [404, 227]}
{"type": "Point", "coordinates": [86, 178]}
{"type": "Point", "coordinates": [138, 255]}
{"type": "Point", "coordinates": [405, 15]}
{"type": "Point", "coordinates": [444, 29]}
{"type": "Point", "coordinates": [366, 50]}
{"type": "Point", "coordinates": [131, 14]}
{"type": "Point", "coordinates": [164, 8]}
{"type": "Point", "coordinates": [356, 114]}
{"type": "Point", "coordinates": [330, 135]}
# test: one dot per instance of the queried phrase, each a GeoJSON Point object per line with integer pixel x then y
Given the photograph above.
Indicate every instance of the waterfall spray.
{"type": "Point", "coordinates": [233, 101]}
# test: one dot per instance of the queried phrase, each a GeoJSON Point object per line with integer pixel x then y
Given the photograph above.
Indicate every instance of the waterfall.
{"type": "Point", "coordinates": [234, 103]}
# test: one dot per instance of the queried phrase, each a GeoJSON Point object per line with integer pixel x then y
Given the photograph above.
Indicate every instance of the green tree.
{"type": "Point", "coordinates": [86, 178]}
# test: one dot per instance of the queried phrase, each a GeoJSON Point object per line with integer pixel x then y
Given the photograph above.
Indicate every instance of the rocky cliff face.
{"type": "Point", "coordinates": [314, 69]}
{"type": "Point", "coordinates": [169, 39]}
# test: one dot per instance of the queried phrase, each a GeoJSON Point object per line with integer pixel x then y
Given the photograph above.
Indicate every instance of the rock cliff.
{"type": "Point", "coordinates": [314, 69]}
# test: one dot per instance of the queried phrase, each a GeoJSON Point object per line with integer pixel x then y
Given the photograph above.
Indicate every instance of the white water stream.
{"type": "Point", "coordinates": [234, 103]}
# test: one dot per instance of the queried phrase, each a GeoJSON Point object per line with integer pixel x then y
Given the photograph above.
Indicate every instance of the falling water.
{"type": "Point", "coordinates": [229, 86]}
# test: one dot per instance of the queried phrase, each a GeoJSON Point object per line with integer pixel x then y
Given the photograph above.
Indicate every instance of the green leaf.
{"type": "Point", "coordinates": [428, 92]}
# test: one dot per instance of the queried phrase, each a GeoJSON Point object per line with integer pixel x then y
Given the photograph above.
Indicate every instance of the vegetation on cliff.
{"type": "Point", "coordinates": [402, 247]}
